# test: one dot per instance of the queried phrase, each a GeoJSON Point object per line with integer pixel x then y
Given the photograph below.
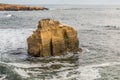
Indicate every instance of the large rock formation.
{"type": "Point", "coordinates": [52, 38]}
{"type": "Point", "coordinates": [11, 7]}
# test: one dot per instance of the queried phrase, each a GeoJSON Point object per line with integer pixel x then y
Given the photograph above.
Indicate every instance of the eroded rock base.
{"type": "Point", "coordinates": [52, 39]}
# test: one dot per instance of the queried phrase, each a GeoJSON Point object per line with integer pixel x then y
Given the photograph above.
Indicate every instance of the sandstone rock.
{"type": "Point", "coordinates": [11, 7]}
{"type": "Point", "coordinates": [52, 39]}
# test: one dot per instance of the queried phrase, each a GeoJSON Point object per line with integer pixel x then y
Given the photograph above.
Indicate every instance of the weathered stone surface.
{"type": "Point", "coordinates": [11, 7]}
{"type": "Point", "coordinates": [52, 39]}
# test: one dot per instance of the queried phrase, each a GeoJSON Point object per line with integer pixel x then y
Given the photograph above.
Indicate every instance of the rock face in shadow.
{"type": "Point", "coordinates": [12, 7]}
{"type": "Point", "coordinates": [52, 39]}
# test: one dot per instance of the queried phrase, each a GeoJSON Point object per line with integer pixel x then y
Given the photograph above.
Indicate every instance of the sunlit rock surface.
{"type": "Point", "coordinates": [52, 39]}
{"type": "Point", "coordinates": [13, 7]}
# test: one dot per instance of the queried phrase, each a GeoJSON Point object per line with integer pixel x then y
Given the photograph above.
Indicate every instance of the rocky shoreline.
{"type": "Point", "coordinates": [14, 7]}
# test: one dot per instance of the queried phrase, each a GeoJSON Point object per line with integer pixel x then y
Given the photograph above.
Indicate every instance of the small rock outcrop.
{"type": "Point", "coordinates": [13, 7]}
{"type": "Point", "coordinates": [52, 39]}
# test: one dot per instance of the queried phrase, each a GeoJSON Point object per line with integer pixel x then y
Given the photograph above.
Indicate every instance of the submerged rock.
{"type": "Point", "coordinates": [52, 39]}
{"type": "Point", "coordinates": [13, 7]}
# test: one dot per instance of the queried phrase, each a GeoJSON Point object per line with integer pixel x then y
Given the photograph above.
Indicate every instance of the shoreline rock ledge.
{"type": "Point", "coordinates": [52, 39]}
{"type": "Point", "coordinates": [14, 7]}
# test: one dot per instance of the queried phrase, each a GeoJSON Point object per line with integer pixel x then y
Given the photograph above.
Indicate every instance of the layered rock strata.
{"type": "Point", "coordinates": [52, 39]}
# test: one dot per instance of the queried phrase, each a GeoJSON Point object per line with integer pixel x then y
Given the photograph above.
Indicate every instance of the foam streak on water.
{"type": "Point", "coordinates": [99, 35]}
{"type": "Point", "coordinates": [11, 39]}
{"type": "Point", "coordinates": [89, 72]}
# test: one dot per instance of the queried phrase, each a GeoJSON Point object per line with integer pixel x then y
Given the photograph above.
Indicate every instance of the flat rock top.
{"type": "Point", "coordinates": [14, 7]}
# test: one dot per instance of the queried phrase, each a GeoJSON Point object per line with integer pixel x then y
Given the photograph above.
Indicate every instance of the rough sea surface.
{"type": "Point", "coordinates": [99, 36]}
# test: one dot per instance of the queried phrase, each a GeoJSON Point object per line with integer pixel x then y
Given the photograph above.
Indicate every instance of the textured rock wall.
{"type": "Point", "coordinates": [52, 39]}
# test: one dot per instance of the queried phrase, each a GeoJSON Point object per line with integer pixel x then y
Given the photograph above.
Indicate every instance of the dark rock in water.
{"type": "Point", "coordinates": [13, 7]}
{"type": "Point", "coordinates": [52, 39]}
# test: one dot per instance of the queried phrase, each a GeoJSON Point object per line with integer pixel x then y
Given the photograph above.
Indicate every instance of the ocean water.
{"type": "Point", "coordinates": [99, 35]}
